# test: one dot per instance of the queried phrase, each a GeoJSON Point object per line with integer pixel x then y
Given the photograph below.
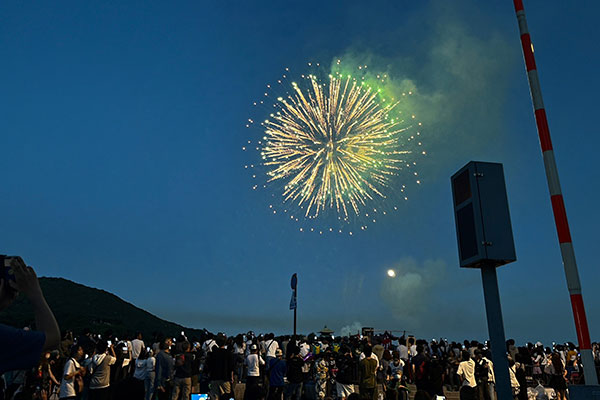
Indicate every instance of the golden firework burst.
{"type": "Point", "coordinates": [334, 145]}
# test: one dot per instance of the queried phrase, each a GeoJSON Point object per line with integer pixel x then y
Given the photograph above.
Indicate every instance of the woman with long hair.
{"type": "Point", "coordinates": [558, 376]}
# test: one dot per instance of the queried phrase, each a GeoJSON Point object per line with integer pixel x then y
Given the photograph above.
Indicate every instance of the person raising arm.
{"type": "Point", "coordinates": [22, 349]}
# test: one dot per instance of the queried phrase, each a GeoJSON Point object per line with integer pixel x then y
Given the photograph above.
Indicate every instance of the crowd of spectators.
{"type": "Point", "coordinates": [255, 367]}
{"type": "Point", "coordinates": [43, 364]}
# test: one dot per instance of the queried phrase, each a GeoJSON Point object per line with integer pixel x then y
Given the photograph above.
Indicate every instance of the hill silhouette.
{"type": "Point", "coordinates": [78, 306]}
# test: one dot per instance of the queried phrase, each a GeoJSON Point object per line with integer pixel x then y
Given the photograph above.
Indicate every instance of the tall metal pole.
{"type": "Point", "coordinates": [296, 308]}
{"type": "Point", "coordinates": [495, 322]}
{"type": "Point", "coordinates": [558, 205]}
{"type": "Point", "coordinates": [294, 301]}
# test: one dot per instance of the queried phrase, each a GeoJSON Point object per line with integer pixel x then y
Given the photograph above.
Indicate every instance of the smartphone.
{"type": "Point", "coordinates": [5, 264]}
{"type": "Point", "coordinates": [199, 396]}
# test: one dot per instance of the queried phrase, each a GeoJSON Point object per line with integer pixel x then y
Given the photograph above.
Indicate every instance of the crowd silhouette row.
{"type": "Point", "coordinates": [254, 367]}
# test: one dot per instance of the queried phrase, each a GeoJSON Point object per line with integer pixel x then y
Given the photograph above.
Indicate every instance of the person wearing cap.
{"type": "Point", "coordinates": [253, 362]}
{"type": "Point", "coordinates": [277, 370]}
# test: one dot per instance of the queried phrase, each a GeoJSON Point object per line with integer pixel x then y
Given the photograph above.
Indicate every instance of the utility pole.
{"type": "Point", "coordinates": [558, 205]}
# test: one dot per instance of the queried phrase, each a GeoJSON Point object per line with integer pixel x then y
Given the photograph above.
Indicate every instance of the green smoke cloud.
{"type": "Point", "coordinates": [458, 82]}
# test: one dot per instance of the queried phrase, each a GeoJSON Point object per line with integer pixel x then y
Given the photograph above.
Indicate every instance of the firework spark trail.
{"type": "Point", "coordinates": [334, 145]}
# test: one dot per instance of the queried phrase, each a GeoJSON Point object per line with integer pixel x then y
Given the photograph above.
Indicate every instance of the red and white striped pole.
{"type": "Point", "coordinates": [558, 205]}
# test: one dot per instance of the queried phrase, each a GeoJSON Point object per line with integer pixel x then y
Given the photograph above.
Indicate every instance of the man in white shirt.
{"type": "Point", "coordinates": [253, 362]}
{"type": "Point", "coordinates": [137, 345]}
{"type": "Point", "coordinates": [270, 346]}
{"type": "Point", "coordinates": [466, 373]}
{"type": "Point", "coordinates": [99, 369]}
{"type": "Point", "coordinates": [403, 351]}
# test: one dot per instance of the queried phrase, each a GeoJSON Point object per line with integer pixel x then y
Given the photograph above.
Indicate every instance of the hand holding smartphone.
{"type": "Point", "coordinates": [7, 264]}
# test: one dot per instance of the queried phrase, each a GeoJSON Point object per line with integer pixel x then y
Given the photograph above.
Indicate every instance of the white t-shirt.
{"type": "Point", "coordinates": [270, 347]}
{"type": "Point", "coordinates": [100, 377]}
{"type": "Point", "coordinates": [254, 361]}
{"type": "Point", "coordinates": [413, 350]}
{"type": "Point", "coordinates": [136, 348]}
{"type": "Point", "coordinates": [466, 370]}
{"type": "Point", "coordinates": [403, 350]}
{"type": "Point", "coordinates": [67, 386]}
{"type": "Point", "coordinates": [304, 349]}
{"type": "Point", "coordinates": [208, 345]}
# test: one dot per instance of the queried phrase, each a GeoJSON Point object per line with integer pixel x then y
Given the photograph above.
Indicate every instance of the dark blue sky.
{"type": "Point", "coordinates": [121, 126]}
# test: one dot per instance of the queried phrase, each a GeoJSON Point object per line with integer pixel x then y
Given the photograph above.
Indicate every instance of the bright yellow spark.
{"type": "Point", "coordinates": [333, 146]}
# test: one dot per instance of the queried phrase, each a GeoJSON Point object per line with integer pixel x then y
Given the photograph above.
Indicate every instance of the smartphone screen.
{"type": "Point", "coordinates": [5, 268]}
{"type": "Point", "coordinates": [199, 396]}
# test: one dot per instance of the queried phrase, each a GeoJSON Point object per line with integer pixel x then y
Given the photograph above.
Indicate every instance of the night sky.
{"type": "Point", "coordinates": [121, 128]}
